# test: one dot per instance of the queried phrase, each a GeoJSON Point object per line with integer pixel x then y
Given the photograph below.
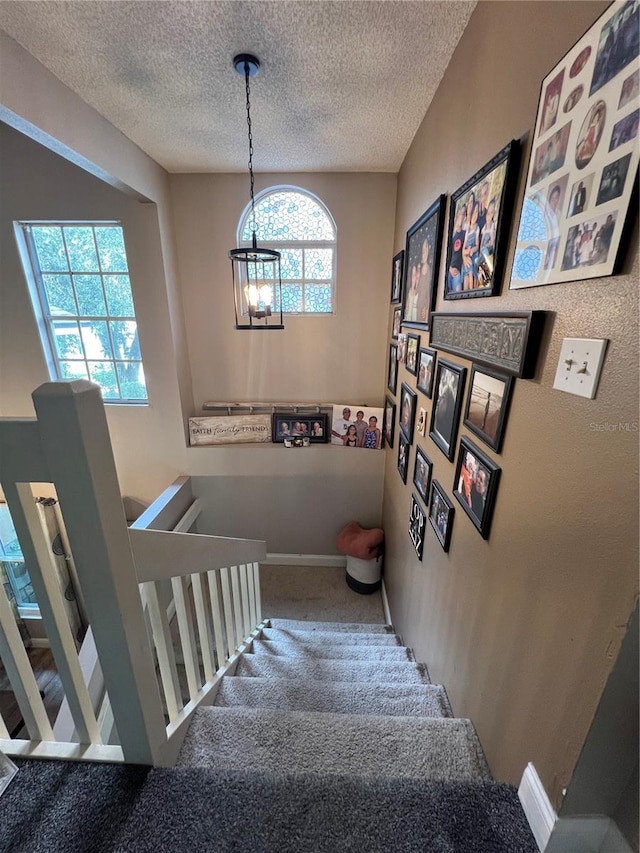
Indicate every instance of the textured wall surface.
{"type": "Point", "coordinates": [524, 628]}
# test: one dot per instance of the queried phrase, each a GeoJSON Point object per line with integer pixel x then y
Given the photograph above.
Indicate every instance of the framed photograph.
{"type": "Point", "coordinates": [421, 265]}
{"type": "Point", "coordinates": [422, 474]}
{"type": "Point", "coordinates": [356, 426]}
{"type": "Point", "coordinates": [488, 405]}
{"type": "Point", "coordinates": [407, 411]}
{"type": "Point", "coordinates": [417, 526]}
{"type": "Point", "coordinates": [397, 322]}
{"type": "Point", "coordinates": [413, 345]}
{"type": "Point", "coordinates": [583, 168]}
{"type": "Point", "coordinates": [392, 372]}
{"type": "Point", "coordinates": [421, 423]}
{"type": "Point", "coordinates": [475, 485]}
{"type": "Point", "coordinates": [396, 277]}
{"type": "Point", "coordinates": [402, 347]}
{"type": "Point", "coordinates": [441, 512]}
{"type": "Point", "coordinates": [426, 364]}
{"type": "Point", "coordinates": [403, 456]}
{"type": "Point", "coordinates": [449, 384]}
{"type": "Point", "coordinates": [287, 425]}
{"type": "Point", "coordinates": [479, 221]}
{"type": "Point", "coordinates": [389, 421]}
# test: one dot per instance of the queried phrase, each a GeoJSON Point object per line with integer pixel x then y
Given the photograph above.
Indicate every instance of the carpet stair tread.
{"type": "Point", "coordinates": [351, 637]}
{"type": "Point", "coordinates": [399, 700]}
{"type": "Point", "coordinates": [275, 666]}
{"type": "Point", "coordinates": [349, 627]}
{"type": "Point", "coordinates": [331, 651]}
{"type": "Point", "coordinates": [446, 749]}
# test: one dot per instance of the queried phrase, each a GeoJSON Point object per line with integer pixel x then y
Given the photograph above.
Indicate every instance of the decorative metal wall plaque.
{"type": "Point", "coordinates": [509, 341]}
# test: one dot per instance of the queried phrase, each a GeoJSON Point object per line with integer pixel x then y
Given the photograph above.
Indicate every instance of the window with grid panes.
{"type": "Point", "coordinates": [81, 292]}
{"type": "Point", "coordinates": [298, 225]}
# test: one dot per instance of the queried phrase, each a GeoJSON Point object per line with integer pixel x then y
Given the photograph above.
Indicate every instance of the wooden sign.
{"type": "Point", "coordinates": [234, 429]}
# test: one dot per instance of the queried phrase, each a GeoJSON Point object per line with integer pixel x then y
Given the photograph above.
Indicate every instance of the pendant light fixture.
{"type": "Point", "coordinates": [257, 284]}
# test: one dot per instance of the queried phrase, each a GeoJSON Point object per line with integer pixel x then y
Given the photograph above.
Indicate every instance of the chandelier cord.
{"type": "Point", "coordinates": [253, 210]}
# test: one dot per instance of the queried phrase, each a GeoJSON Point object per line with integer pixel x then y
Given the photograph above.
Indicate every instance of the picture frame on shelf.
{"type": "Point", "coordinates": [389, 421]}
{"type": "Point", "coordinates": [392, 370]}
{"type": "Point", "coordinates": [447, 404]}
{"type": "Point", "coordinates": [426, 371]}
{"type": "Point", "coordinates": [441, 515]}
{"type": "Point", "coordinates": [397, 268]}
{"type": "Point", "coordinates": [580, 194]}
{"type": "Point", "coordinates": [396, 323]}
{"type": "Point", "coordinates": [422, 469]}
{"type": "Point", "coordinates": [404, 448]}
{"type": "Point", "coordinates": [487, 407]}
{"type": "Point", "coordinates": [475, 485]}
{"type": "Point", "coordinates": [408, 399]}
{"type": "Point", "coordinates": [293, 425]}
{"type": "Point", "coordinates": [417, 526]}
{"type": "Point", "coordinates": [421, 266]}
{"type": "Point", "coordinates": [411, 362]}
{"type": "Point", "coordinates": [480, 216]}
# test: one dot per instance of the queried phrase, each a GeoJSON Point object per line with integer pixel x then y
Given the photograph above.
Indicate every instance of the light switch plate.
{"type": "Point", "coordinates": [579, 366]}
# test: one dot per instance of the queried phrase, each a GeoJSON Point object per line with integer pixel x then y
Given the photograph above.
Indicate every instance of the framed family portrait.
{"type": "Point", "coordinates": [288, 425]}
{"type": "Point", "coordinates": [413, 345]}
{"type": "Point", "coordinates": [403, 456]}
{"type": "Point", "coordinates": [583, 169]}
{"type": "Point", "coordinates": [397, 322]}
{"type": "Point", "coordinates": [392, 372]}
{"type": "Point", "coordinates": [426, 364]}
{"type": "Point", "coordinates": [396, 277]}
{"type": "Point", "coordinates": [479, 222]}
{"type": "Point", "coordinates": [417, 526]}
{"type": "Point", "coordinates": [389, 421]}
{"type": "Point", "coordinates": [422, 474]}
{"type": "Point", "coordinates": [488, 405]}
{"type": "Point", "coordinates": [441, 512]}
{"type": "Point", "coordinates": [475, 485]}
{"type": "Point", "coordinates": [421, 265]}
{"type": "Point", "coordinates": [447, 404]}
{"type": "Point", "coordinates": [356, 426]}
{"type": "Point", "coordinates": [407, 411]}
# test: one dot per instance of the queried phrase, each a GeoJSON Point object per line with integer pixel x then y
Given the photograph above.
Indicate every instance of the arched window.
{"type": "Point", "coordinates": [300, 227]}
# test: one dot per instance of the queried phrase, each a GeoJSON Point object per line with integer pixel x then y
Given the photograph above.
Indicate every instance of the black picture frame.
{"type": "Point", "coordinates": [447, 404]}
{"type": "Point", "coordinates": [421, 266]}
{"type": "Point", "coordinates": [389, 421]}
{"type": "Point", "coordinates": [411, 359]}
{"type": "Point", "coordinates": [477, 251]}
{"type": "Point", "coordinates": [404, 448]}
{"type": "Point", "coordinates": [426, 371]}
{"type": "Point", "coordinates": [408, 399]}
{"type": "Point", "coordinates": [392, 369]}
{"type": "Point", "coordinates": [441, 515]}
{"type": "Point", "coordinates": [417, 526]}
{"type": "Point", "coordinates": [487, 407]}
{"type": "Point", "coordinates": [314, 427]}
{"type": "Point", "coordinates": [396, 322]}
{"type": "Point", "coordinates": [397, 269]}
{"type": "Point", "coordinates": [475, 485]}
{"type": "Point", "coordinates": [422, 469]}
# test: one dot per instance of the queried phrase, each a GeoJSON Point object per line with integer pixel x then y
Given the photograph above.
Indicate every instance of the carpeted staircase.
{"type": "Point", "coordinates": [328, 737]}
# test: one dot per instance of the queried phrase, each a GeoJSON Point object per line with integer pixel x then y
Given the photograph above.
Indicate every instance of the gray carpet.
{"type": "Point", "coordinates": [302, 592]}
{"type": "Point", "coordinates": [331, 651]}
{"type": "Point", "coordinates": [323, 626]}
{"type": "Point", "coordinates": [272, 666]}
{"type": "Point", "coordinates": [359, 637]}
{"type": "Point", "coordinates": [398, 700]}
{"type": "Point", "coordinates": [308, 742]}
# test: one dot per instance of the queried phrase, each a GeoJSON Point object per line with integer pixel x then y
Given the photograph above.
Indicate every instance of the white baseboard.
{"type": "Point", "coordinates": [326, 560]}
{"type": "Point", "coordinates": [536, 806]}
{"type": "Point", "coordinates": [385, 604]}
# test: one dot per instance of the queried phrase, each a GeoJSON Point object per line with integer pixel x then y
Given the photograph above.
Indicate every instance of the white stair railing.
{"type": "Point", "coordinates": [68, 445]}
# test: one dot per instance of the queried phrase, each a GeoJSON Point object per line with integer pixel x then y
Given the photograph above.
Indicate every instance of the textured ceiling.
{"type": "Point", "coordinates": [343, 85]}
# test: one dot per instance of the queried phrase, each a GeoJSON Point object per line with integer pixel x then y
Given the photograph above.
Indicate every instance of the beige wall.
{"type": "Point", "coordinates": [523, 629]}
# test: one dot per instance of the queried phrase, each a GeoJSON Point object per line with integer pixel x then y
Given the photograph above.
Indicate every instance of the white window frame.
{"type": "Point", "coordinates": [281, 245]}
{"type": "Point", "coordinates": [44, 320]}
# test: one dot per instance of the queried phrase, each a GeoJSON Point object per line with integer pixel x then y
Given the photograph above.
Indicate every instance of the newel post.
{"type": "Point", "coordinates": [75, 440]}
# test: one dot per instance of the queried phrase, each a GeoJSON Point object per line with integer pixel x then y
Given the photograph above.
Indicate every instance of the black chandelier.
{"type": "Point", "coordinates": [257, 283]}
